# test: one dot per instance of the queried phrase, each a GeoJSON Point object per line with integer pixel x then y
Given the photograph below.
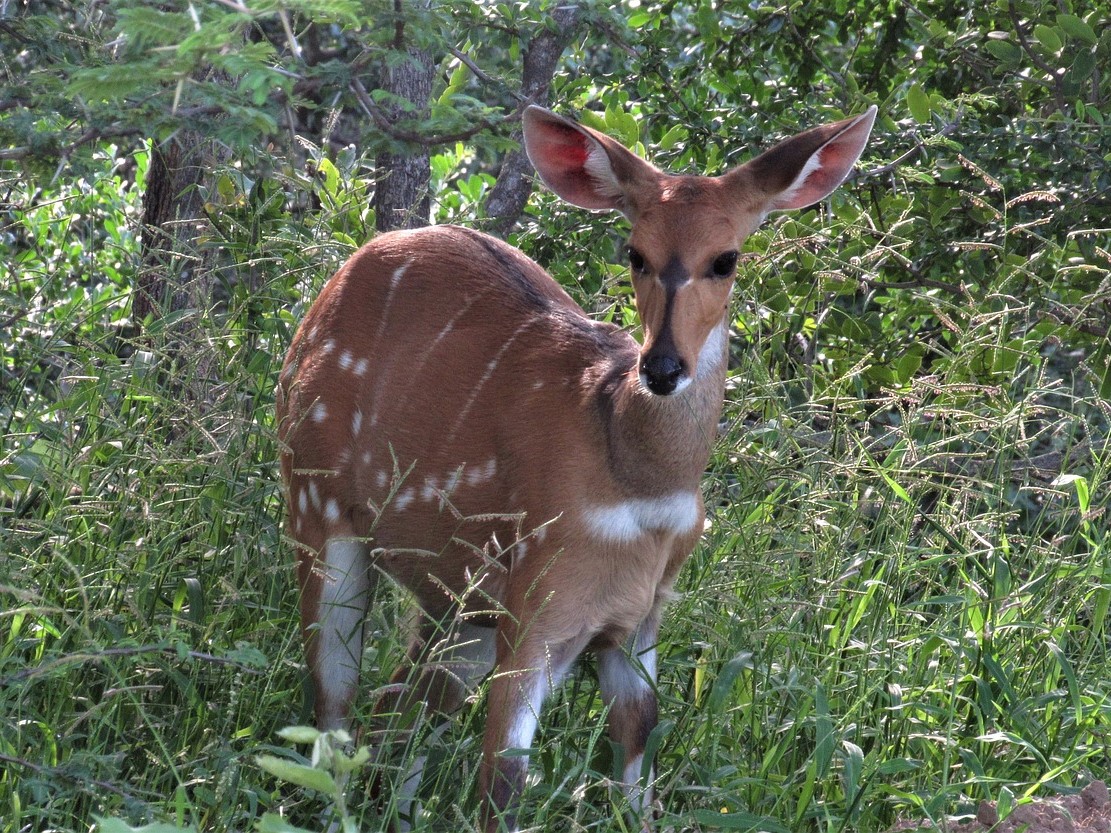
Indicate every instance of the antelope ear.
{"type": "Point", "coordinates": [582, 166]}
{"type": "Point", "coordinates": [807, 168]}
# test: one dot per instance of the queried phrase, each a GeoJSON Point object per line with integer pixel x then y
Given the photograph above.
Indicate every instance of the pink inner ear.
{"type": "Point", "coordinates": [561, 151]}
{"type": "Point", "coordinates": [561, 155]}
{"type": "Point", "coordinates": [830, 173]}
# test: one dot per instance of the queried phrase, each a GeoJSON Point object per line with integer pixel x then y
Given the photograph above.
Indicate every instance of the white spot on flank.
{"type": "Point", "coordinates": [628, 520]}
{"type": "Point", "coordinates": [381, 479]}
{"type": "Point", "coordinates": [402, 501]}
{"type": "Point", "coordinates": [314, 495]}
{"type": "Point", "coordinates": [366, 458]}
{"type": "Point", "coordinates": [327, 347]}
{"type": "Point", "coordinates": [431, 487]}
{"type": "Point", "coordinates": [361, 367]}
{"type": "Point", "coordinates": [539, 383]}
{"type": "Point", "coordinates": [319, 412]}
{"type": "Point", "coordinates": [481, 474]}
{"type": "Point", "coordinates": [346, 360]}
{"type": "Point", "coordinates": [356, 422]}
{"type": "Point", "coordinates": [303, 501]}
{"type": "Point", "coordinates": [331, 510]}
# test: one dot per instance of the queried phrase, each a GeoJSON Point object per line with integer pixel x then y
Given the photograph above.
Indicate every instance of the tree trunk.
{"type": "Point", "coordinates": [542, 53]}
{"type": "Point", "coordinates": [172, 276]}
{"type": "Point", "coordinates": [401, 195]}
{"type": "Point", "coordinates": [175, 280]}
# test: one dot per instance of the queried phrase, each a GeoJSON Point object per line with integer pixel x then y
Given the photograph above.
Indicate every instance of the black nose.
{"type": "Point", "coordinates": [661, 373]}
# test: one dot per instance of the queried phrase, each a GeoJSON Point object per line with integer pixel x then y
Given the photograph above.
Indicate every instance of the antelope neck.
{"type": "Point", "coordinates": [651, 439]}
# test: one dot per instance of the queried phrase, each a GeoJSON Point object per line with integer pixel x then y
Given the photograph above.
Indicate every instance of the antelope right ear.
{"type": "Point", "coordinates": [807, 168]}
{"type": "Point", "coordinates": [582, 166]}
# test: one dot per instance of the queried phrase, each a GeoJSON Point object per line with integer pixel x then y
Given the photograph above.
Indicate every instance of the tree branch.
{"type": "Point", "coordinates": [542, 53]}
{"type": "Point", "coordinates": [919, 147]}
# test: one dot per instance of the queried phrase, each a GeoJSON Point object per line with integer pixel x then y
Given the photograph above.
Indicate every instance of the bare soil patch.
{"type": "Point", "coordinates": [1089, 811]}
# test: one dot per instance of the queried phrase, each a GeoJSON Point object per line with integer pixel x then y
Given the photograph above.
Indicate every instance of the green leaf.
{"type": "Point", "coordinates": [298, 774]}
{"type": "Point", "coordinates": [675, 136]}
{"type": "Point", "coordinates": [344, 763]}
{"type": "Point", "coordinates": [1005, 51]}
{"type": "Point", "coordinates": [918, 102]}
{"type": "Point", "coordinates": [330, 175]}
{"type": "Point", "coordinates": [1082, 67]}
{"type": "Point", "coordinates": [273, 823]}
{"type": "Point", "coordinates": [723, 685]}
{"type": "Point", "coordinates": [299, 734]}
{"type": "Point", "coordinates": [1047, 36]}
{"type": "Point", "coordinates": [118, 826]}
{"type": "Point", "coordinates": [1074, 27]}
{"type": "Point", "coordinates": [899, 491]}
{"type": "Point", "coordinates": [741, 820]}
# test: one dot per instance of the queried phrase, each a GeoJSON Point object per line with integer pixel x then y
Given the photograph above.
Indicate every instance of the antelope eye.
{"type": "Point", "coordinates": [724, 264]}
{"type": "Point", "coordinates": [636, 260]}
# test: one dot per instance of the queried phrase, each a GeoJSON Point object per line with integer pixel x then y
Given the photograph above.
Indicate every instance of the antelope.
{"type": "Point", "coordinates": [451, 418]}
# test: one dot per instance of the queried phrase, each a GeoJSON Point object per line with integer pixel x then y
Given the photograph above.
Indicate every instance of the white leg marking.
{"type": "Point", "coordinates": [627, 681]}
{"type": "Point", "coordinates": [343, 601]}
{"type": "Point", "coordinates": [526, 718]}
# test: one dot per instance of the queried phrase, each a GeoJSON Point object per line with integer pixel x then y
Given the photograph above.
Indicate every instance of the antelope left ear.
{"type": "Point", "coordinates": [584, 167]}
{"type": "Point", "coordinates": [807, 168]}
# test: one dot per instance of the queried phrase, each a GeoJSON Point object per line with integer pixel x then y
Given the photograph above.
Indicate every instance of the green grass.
{"type": "Point", "coordinates": [899, 608]}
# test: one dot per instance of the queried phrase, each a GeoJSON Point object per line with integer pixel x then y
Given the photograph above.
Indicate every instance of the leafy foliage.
{"type": "Point", "coordinates": [900, 607]}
